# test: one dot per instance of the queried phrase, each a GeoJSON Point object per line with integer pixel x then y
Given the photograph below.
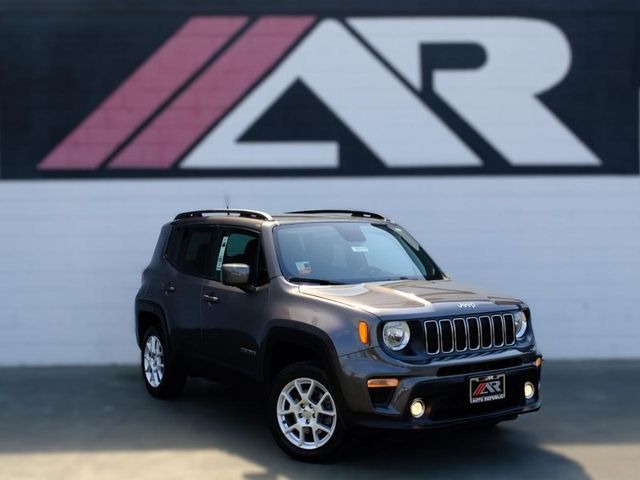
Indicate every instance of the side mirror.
{"type": "Point", "coordinates": [236, 274]}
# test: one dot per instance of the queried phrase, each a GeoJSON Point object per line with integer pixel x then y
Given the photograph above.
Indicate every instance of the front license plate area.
{"type": "Point", "coordinates": [487, 389]}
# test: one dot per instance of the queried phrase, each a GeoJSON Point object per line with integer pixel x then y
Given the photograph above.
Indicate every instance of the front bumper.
{"type": "Point", "coordinates": [442, 385]}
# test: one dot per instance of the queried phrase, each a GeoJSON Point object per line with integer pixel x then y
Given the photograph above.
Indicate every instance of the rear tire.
{"type": "Point", "coordinates": [304, 414]}
{"type": "Point", "coordinates": [163, 375]}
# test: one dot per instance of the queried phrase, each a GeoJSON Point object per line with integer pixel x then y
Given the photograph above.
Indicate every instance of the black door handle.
{"type": "Point", "coordinates": [168, 288]}
{"type": "Point", "coordinates": [210, 298]}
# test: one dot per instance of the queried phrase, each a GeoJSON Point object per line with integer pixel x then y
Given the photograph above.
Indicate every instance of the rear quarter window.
{"type": "Point", "coordinates": [173, 245]}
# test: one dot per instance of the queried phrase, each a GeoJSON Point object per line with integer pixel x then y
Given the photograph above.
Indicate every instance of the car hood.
{"type": "Point", "coordinates": [408, 297]}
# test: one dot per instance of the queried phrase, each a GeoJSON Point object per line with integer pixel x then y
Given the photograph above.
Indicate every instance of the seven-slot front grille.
{"type": "Point", "coordinates": [449, 335]}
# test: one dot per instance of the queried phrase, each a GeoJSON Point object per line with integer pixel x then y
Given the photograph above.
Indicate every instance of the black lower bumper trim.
{"type": "Point", "coordinates": [402, 423]}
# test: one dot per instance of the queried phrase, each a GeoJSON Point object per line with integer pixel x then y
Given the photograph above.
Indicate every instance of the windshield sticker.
{"type": "Point", "coordinates": [304, 268]}
{"type": "Point", "coordinates": [359, 248]}
{"type": "Point", "coordinates": [223, 247]}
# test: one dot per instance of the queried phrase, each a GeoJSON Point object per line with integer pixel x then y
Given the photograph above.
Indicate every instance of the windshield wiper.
{"type": "Point", "coordinates": [319, 281]}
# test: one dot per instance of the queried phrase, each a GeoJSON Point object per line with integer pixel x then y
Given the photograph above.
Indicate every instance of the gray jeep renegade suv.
{"type": "Point", "coordinates": [341, 316]}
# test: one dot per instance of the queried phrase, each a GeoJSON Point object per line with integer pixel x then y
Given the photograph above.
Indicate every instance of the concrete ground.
{"type": "Point", "coordinates": [99, 422]}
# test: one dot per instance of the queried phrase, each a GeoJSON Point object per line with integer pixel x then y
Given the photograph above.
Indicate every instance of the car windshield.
{"type": "Point", "coordinates": [351, 252]}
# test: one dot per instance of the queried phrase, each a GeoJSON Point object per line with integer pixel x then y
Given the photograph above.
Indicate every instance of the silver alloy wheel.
{"type": "Point", "coordinates": [153, 361]}
{"type": "Point", "coordinates": [306, 413]}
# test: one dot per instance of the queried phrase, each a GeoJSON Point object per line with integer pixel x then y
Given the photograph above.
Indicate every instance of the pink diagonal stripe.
{"type": "Point", "coordinates": [212, 94]}
{"type": "Point", "coordinates": [91, 142]}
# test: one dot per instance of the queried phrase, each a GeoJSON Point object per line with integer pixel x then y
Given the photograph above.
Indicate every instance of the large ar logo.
{"type": "Point", "coordinates": [193, 101]}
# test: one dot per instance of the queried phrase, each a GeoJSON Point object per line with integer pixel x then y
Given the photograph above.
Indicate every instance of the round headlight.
{"type": "Point", "coordinates": [396, 335]}
{"type": "Point", "coordinates": [521, 324]}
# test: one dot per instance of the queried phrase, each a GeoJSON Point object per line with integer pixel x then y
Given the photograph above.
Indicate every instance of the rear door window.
{"type": "Point", "coordinates": [196, 248]}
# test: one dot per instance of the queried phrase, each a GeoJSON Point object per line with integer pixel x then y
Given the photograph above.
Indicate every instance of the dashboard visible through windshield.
{"type": "Point", "coordinates": [349, 252]}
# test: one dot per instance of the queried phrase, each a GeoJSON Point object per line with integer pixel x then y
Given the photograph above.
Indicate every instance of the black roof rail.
{"type": "Point", "coordinates": [241, 212]}
{"type": "Point", "coordinates": [353, 213]}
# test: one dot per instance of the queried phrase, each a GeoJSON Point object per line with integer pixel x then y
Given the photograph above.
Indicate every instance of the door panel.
{"type": "Point", "coordinates": [231, 324]}
{"type": "Point", "coordinates": [183, 309]}
{"type": "Point", "coordinates": [183, 287]}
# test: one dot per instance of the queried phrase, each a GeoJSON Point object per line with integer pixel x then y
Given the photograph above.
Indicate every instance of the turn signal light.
{"type": "Point", "coordinates": [538, 362]}
{"type": "Point", "coordinates": [363, 331]}
{"type": "Point", "coordinates": [383, 382]}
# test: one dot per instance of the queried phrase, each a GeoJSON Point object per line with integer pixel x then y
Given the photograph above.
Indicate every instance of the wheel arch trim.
{"type": "Point", "coordinates": [148, 306]}
{"type": "Point", "coordinates": [303, 335]}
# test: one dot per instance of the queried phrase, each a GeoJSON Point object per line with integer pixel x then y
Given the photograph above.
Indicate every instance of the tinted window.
{"type": "Point", "coordinates": [173, 245]}
{"type": "Point", "coordinates": [194, 249]}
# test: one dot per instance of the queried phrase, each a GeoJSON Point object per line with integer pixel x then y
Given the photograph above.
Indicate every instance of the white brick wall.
{"type": "Point", "coordinates": [71, 252]}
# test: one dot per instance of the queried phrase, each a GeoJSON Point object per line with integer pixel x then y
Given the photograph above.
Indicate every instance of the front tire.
{"type": "Point", "coordinates": [304, 414]}
{"type": "Point", "coordinates": [163, 375]}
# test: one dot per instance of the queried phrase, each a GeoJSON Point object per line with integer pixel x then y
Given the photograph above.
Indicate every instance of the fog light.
{"type": "Point", "coordinates": [529, 390]}
{"type": "Point", "coordinates": [417, 408]}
